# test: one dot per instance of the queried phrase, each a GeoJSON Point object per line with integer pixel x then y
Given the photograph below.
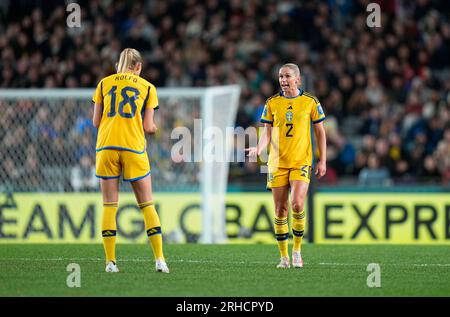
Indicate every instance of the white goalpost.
{"type": "Point", "coordinates": [219, 110]}
{"type": "Point", "coordinates": [215, 107]}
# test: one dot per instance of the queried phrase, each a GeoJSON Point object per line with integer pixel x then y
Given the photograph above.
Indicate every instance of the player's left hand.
{"type": "Point", "coordinates": [321, 169]}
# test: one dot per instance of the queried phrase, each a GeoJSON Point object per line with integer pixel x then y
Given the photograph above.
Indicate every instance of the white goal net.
{"type": "Point", "coordinates": [48, 145]}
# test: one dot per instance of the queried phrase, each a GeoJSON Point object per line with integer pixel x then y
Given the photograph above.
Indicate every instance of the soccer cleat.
{"type": "Point", "coordinates": [284, 263]}
{"type": "Point", "coordinates": [111, 267]}
{"type": "Point", "coordinates": [161, 266]}
{"type": "Point", "coordinates": [297, 260]}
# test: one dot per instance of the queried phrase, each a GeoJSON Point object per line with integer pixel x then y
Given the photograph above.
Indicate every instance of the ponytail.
{"type": "Point", "coordinates": [128, 59]}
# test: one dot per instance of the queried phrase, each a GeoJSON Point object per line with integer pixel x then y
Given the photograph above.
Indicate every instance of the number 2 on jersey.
{"type": "Point", "coordinates": [126, 100]}
{"type": "Point", "coordinates": [288, 132]}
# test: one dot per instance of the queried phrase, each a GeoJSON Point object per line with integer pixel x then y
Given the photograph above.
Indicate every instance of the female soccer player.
{"type": "Point", "coordinates": [287, 119]}
{"type": "Point", "coordinates": [123, 111]}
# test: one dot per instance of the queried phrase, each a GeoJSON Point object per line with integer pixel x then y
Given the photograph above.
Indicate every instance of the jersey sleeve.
{"type": "Point", "coordinates": [267, 116]}
{"type": "Point", "coordinates": [317, 114]}
{"type": "Point", "coordinates": [98, 94]}
{"type": "Point", "coordinates": [152, 98]}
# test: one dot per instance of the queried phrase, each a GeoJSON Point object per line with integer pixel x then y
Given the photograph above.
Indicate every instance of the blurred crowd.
{"type": "Point", "coordinates": [385, 91]}
{"type": "Point", "coordinates": [53, 148]}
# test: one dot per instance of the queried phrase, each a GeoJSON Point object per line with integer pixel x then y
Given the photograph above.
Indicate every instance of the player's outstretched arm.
{"type": "Point", "coordinates": [264, 140]}
{"type": "Point", "coordinates": [321, 167]}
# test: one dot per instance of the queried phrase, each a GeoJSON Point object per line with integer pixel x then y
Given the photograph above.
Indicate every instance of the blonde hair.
{"type": "Point", "coordinates": [128, 60]}
{"type": "Point", "coordinates": [292, 67]}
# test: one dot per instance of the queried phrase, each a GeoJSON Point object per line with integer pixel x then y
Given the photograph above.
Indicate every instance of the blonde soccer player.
{"type": "Point", "coordinates": [287, 119]}
{"type": "Point", "coordinates": [124, 105]}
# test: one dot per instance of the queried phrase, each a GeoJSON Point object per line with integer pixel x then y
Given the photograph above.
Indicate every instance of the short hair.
{"type": "Point", "coordinates": [128, 59]}
{"type": "Point", "coordinates": [293, 67]}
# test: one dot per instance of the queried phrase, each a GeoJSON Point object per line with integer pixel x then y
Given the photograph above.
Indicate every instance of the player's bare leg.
{"type": "Point", "coordinates": [281, 197]}
{"type": "Point", "coordinates": [143, 191]}
{"type": "Point", "coordinates": [110, 189]}
{"type": "Point", "coordinates": [110, 193]}
{"type": "Point", "coordinates": [299, 191]}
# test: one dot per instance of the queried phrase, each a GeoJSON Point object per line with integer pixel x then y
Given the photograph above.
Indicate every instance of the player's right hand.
{"type": "Point", "coordinates": [252, 151]}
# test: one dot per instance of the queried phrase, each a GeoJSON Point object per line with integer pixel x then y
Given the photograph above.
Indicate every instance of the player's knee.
{"type": "Point", "coordinates": [297, 205]}
{"type": "Point", "coordinates": [281, 211]}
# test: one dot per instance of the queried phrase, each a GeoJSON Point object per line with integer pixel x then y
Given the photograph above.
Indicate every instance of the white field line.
{"type": "Point", "coordinates": [218, 262]}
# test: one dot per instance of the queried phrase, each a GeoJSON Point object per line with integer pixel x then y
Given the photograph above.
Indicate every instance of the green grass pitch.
{"type": "Point", "coordinates": [225, 271]}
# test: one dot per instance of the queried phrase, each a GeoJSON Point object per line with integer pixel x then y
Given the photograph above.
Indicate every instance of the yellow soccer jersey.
{"type": "Point", "coordinates": [124, 97]}
{"type": "Point", "coordinates": [291, 145]}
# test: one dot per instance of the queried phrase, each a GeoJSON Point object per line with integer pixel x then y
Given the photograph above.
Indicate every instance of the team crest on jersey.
{"type": "Point", "coordinates": [289, 116]}
{"type": "Point", "coordinates": [319, 109]}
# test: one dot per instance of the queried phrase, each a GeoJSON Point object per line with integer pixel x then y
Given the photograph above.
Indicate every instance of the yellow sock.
{"type": "Point", "coordinates": [109, 228]}
{"type": "Point", "coordinates": [153, 228]}
{"type": "Point", "coordinates": [282, 235]}
{"type": "Point", "coordinates": [298, 227]}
